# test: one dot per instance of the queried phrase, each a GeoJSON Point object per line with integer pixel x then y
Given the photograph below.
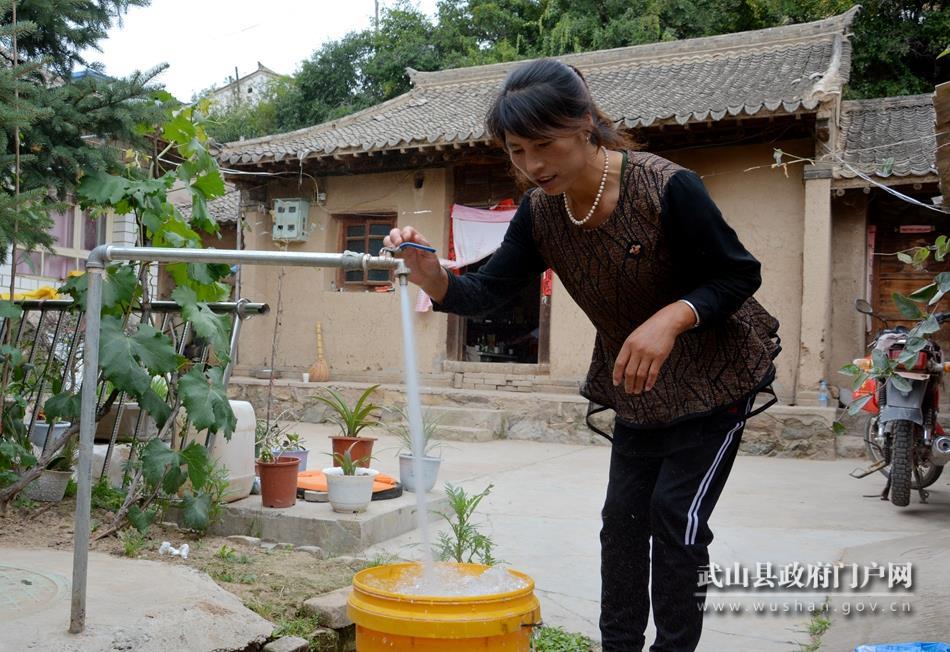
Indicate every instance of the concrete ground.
{"type": "Point", "coordinates": [543, 515]}
{"type": "Point", "coordinates": [138, 605]}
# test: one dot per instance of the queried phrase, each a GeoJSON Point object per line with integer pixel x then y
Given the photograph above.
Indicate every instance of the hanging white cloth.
{"type": "Point", "coordinates": [476, 234]}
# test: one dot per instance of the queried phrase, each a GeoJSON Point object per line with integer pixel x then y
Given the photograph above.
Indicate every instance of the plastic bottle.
{"type": "Point", "coordinates": [823, 393]}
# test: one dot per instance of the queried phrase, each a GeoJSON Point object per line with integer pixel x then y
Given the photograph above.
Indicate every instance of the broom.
{"type": "Point", "coordinates": [319, 372]}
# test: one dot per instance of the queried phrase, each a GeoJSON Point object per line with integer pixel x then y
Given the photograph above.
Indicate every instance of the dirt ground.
{"type": "Point", "coordinates": [273, 583]}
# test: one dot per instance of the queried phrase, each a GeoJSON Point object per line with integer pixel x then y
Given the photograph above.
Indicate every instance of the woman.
{"type": "Point", "coordinates": [681, 348]}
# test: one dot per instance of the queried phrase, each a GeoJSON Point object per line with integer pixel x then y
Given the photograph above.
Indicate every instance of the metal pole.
{"type": "Point", "coordinates": [87, 427]}
{"type": "Point", "coordinates": [349, 260]}
{"type": "Point", "coordinates": [239, 317]}
{"type": "Point", "coordinates": [95, 265]}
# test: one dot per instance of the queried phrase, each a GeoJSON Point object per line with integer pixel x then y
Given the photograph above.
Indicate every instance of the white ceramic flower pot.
{"type": "Point", "coordinates": [349, 493]}
{"type": "Point", "coordinates": [41, 430]}
{"type": "Point", "coordinates": [407, 472]}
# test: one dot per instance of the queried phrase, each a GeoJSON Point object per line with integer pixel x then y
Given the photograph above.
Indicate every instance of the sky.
{"type": "Point", "coordinates": [203, 40]}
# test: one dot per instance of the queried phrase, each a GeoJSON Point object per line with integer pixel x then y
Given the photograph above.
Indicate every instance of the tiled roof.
{"type": "Point", "coordinates": [898, 128]}
{"type": "Point", "coordinates": [772, 70]}
{"type": "Point", "coordinates": [224, 209]}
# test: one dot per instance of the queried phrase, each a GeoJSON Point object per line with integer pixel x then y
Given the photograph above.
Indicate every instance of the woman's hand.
{"type": "Point", "coordinates": [646, 349]}
{"type": "Point", "coordinates": [424, 267]}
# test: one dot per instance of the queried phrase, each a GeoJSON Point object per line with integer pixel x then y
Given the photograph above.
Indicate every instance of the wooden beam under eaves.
{"type": "Point", "coordinates": [858, 182]}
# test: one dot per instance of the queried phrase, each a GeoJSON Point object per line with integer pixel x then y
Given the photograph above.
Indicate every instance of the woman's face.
{"type": "Point", "coordinates": [553, 164]}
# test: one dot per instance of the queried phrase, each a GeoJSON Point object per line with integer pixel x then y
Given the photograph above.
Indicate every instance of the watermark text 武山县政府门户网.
{"type": "Point", "coordinates": [804, 588]}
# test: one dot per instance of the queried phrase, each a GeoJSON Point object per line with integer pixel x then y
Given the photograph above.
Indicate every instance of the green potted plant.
{"type": "Point", "coordinates": [351, 421]}
{"type": "Point", "coordinates": [50, 487]}
{"type": "Point", "coordinates": [349, 482]}
{"type": "Point", "coordinates": [407, 459]}
{"type": "Point", "coordinates": [278, 473]}
{"type": "Point", "coordinates": [292, 446]}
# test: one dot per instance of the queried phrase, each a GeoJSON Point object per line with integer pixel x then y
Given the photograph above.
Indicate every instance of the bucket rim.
{"type": "Point", "coordinates": [360, 585]}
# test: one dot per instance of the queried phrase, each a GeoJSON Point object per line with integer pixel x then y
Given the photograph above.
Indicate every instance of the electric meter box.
{"type": "Point", "coordinates": [291, 218]}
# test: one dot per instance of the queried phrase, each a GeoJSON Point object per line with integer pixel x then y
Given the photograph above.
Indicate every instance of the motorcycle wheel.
{"type": "Point", "coordinates": [902, 453]}
{"type": "Point", "coordinates": [929, 473]}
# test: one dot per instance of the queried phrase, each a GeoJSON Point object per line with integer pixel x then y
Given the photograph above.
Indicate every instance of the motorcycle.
{"type": "Point", "coordinates": [903, 438]}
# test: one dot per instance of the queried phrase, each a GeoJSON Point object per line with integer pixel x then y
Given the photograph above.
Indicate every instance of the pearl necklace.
{"type": "Point", "coordinates": [600, 192]}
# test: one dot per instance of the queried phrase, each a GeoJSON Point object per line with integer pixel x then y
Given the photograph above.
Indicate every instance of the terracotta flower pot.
{"type": "Point", "coordinates": [278, 482]}
{"type": "Point", "coordinates": [363, 448]}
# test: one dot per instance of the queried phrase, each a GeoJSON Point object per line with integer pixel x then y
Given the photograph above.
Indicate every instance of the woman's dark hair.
{"type": "Point", "coordinates": [545, 98]}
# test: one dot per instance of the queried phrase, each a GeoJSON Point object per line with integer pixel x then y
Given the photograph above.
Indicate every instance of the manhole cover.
{"type": "Point", "coordinates": [23, 590]}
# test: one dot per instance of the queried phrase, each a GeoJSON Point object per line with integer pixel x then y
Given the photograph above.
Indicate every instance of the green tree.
{"type": "Point", "coordinates": [249, 120]}
{"type": "Point", "coordinates": [328, 85]}
{"type": "Point", "coordinates": [47, 117]}
{"type": "Point", "coordinates": [896, 44]}
{"type": "Point", "coordinates": [54, 113]}
{"type": "Point", "coordinates": [56, 130]}
{"type": "Point", "coordinates": [896, 48]}
{"type": "Point", "coordinates": [58, 110]}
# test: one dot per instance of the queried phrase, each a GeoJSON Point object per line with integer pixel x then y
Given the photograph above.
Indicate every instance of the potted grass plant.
{"type": "Point", "coordinates": [51, 485]}
{"type": "Point", "coordinates": [349, 482]}
{"type": "Point", "coordinates": [351, 421]}
{"type": "Point", "coordinates": [278, 472]}
{"type": "Point", "coordinates": [407, 460]}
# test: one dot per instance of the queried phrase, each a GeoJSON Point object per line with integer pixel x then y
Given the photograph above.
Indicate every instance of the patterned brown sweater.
{"type": "Point", "coordinates": [666, 240]}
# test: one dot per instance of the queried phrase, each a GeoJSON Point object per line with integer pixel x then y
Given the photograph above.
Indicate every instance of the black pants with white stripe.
{"type": "Point", "coordinates": [663, 486]}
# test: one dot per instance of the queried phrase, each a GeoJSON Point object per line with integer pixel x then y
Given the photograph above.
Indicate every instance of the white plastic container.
{"type": "Point", "coordinates": [237, 455]}
{"type": "Point", "coordinates": [120, 456]}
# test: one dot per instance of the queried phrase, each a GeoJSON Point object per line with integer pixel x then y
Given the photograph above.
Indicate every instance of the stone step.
{"type": "Point", "coordinates": [490, 419]}
{"type": "Point", "coordinates": [480, 415]}
{"type": "Point", "coordinates": [464, 433]}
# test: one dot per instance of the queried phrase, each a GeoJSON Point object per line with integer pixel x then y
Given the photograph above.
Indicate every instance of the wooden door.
{"type": "Point", "coordinates": [901, 226]}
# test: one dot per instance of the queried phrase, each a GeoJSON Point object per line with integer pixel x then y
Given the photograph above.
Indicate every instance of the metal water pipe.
{"type": "Point", "coordinates": [95, 268]}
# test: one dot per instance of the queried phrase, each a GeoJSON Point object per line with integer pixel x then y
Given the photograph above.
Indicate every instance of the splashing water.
{"type": "Point", "coordinates": [448, 580]}
{"type": "Point", "coordinates": [414, 411]}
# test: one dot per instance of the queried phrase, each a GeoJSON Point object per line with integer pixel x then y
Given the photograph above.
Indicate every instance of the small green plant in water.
{"type": "Point", "coordinates": [464, 543]}
{"type": "Point", "coordinates": [132, 542]}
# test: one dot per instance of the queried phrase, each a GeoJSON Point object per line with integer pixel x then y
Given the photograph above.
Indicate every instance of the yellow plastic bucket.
{"type": "Point", "coordinates": [387, 621]}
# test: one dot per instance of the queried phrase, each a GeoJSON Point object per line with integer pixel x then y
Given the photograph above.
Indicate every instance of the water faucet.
{"type": "Point", "coordinates": [401, 269]}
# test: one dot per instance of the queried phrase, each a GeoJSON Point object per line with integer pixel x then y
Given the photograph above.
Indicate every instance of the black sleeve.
{"type": "Point", "coordinates": [717, 273]}
{"type": "Point", "coordinates": [514, 264]}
